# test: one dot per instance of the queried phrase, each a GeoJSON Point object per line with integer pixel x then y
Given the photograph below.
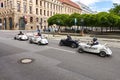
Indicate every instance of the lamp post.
{"type": "Point", "coordinates": [58, 21]}
{"type": "Point", "coordinates": [75, 21]}
{"type": "Point", "coordinates": [82, 30]}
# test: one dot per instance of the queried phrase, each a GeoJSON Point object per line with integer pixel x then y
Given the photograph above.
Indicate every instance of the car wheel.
{"type": "Point", "coordinates": [30, 41]}
{"type": "Point", "coordinates": [39, 43]}
{"type": "Point", "coordinates": [61, 43]}
{"type": "Point", "coordinates": [20, 39]}
{"type": "Point", "coordinates": [15, 38]}
{"type": "Point", "coordinates": [73, 45]}
{"type": "Point", "coordinates": [80, 50]}
{"type": "Point", "coordinates": [102, 53]}
{"type": "Point", "coordinates": [27, 39]}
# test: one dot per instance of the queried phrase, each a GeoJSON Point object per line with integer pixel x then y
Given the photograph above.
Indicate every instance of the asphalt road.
{"type": "Point", "coordinates": [52, 62]}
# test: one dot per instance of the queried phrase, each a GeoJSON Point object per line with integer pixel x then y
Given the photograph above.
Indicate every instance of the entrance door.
{"type": "Point", "coordinates": [5, 23]}
{"type": "Point", "coordinates": [10, 23]}
{"type": "Point", "coordinates": [21, 24]}
{"type": "Point", "coordinates": [0, 24]}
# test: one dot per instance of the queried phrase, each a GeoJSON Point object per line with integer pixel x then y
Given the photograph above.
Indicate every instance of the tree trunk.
{"type": "Point", "coordinates": [59, 30]}
{"type": "Point", "coordinates": [101, 30]}
{"type": "Point", "coordinates": [106, 29]}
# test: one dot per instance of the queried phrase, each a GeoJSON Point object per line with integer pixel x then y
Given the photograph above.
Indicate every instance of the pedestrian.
{"type": "Point", "coordinates": [38, 30]}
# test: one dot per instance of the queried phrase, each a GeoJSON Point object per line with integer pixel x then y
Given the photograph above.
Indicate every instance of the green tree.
{"type": "Point", "coordinates": [58, 19]}
{"type": "Point", "coordinates": [116, 9]}
{"type": "Point", "coordinates": [91, 20]}
{"type": "Point", "coordinates": [102, 20]}
{"type": "Point", "coordinates": [71, 19]}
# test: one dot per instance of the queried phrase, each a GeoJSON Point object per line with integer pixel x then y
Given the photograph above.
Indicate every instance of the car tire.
{"type": "Point", "coordinates": [27, 39]}
{"type": "Point", "coordinates": [14, 38]}
{"type": "Point", "coordinates": [73, 45]}
{"type": "Point", "coordinates": [30, 41]}
{"type": "Point", "coordinates": [20, 39]}
{"type": "Point", "coordinates": [61, 43]}
{"type": "Point", "coordinates": [39, 43]}
{"type": "Point", "coordinates": [102, 54]}
{"type": "Point", "coordinates": [80, 50]}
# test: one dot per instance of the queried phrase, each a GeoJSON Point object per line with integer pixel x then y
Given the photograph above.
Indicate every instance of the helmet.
{"type": "Point", "coordinates": [68, 35]}
{"type": "Point", "coordinates": [39, 34]}
{"type": "Point", "coordinates": [94, 39]}
{"type": "Point", "coordinates": [20, 31]}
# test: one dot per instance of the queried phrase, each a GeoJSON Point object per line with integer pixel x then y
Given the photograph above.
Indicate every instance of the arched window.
{"type": "Point", "coordinates": [1, 4]}
{"type": "Point", "coordinates": [31, 19]}
{"type": "Point", "coordinates": [0, 20]}
{"type": "Point", "coordinates": [37, 19]}
{"type": "Point", "coordinates": [36, 2]}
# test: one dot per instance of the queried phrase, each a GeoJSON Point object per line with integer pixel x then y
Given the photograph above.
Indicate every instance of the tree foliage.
{"type": "Point", "coordinates": [102, 19]}
{"type": "Point", "coordinates": [115, 10]}
{"type": "Point", "coordinates": [58, 19]}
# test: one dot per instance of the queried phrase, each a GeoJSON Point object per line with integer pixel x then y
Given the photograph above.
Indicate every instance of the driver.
{"type": "Point", "coordinates": [38, 34]}
{"type": "Point", "coordinates": [68, 37]}
{"type": "Point", "coordinates": [94, 42]}
{"type": "Point", "coordinates": [20, 33]}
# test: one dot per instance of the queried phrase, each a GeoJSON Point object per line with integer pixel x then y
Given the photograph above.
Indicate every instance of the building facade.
{"type": "Point", "coordinates": [32, 14]}
{"type": "Point", "coordinates": [85, 9]}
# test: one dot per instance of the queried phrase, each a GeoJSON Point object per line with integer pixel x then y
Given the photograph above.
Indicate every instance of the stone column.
{"type": "Point", "coordinates": [7, 23]}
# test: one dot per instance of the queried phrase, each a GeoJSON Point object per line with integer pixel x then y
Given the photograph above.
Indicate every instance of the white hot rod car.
{"type": "Point", "coordinates": [40, 40]}
{"type": "Point", "coordinates": [22, 37]}
{"type": "Point", "coordinates": [101, 50]}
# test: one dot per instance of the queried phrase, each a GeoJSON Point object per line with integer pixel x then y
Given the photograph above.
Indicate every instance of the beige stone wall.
{"type": "Point", "coordinates": [48, 7]}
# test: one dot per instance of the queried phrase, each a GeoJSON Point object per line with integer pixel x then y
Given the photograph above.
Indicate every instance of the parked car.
{"type": "Point", "coordinates": [101, 50]}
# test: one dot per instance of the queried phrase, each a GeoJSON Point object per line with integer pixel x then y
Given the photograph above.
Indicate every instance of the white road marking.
{"type": "Point", "coordinates": [61, 49]}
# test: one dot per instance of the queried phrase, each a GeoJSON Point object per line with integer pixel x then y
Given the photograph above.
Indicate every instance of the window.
{"type": "Point", "coordinates": [30, 9]}
{"type": "Point", "coordinates": [41, 21]}
{"type": "Point", "coordinates": [37, 19]}
{"type": "Point", "coordinates": [47, 13]}
{"type": "Point", "coordinates": [51, 13]}
{"type": "Point", "coordinates": [37, 11]}
{"type": "Point", "coordinates": [31, 19]}
{"type": "Point", "coordinates": [0, 20]}
{"type": "Point", "coordinates": [1, 4]}
{"type": "Point", "coordinates": [44, 13]}
{"type": "Point", "coordinates": [44, 3]}
{"type": "Point", "coordinates": [53, 6]}
{"type": "Point", "coordinates": [31, 1]}
{"type": "Point", "coordinates": [40, 11]}
{"type": "Point", "coordinates": [36, 2]}
{"type": "Point", "coordinates": [5, 4]}
{"type": "Point", "coordinates": [40, 3]}
{"type": "Point", "coordinates": [47, 5]}
{"type": "Point", "coordinates": [11, 4]}
{"type": "Point", "coordinates": [25, 8]}
{"type": "Point", "coordinates": [18, 7]}
{"type": "Point", "coordinates": [50, 5]}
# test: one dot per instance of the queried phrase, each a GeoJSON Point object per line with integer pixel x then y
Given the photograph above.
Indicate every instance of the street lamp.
{"type": "Point", "coordinates": [58, 22]}
{"type": "Point", "coordinates": [75, 21]}
{"type": "Point", "coordinates": [82, 30]}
